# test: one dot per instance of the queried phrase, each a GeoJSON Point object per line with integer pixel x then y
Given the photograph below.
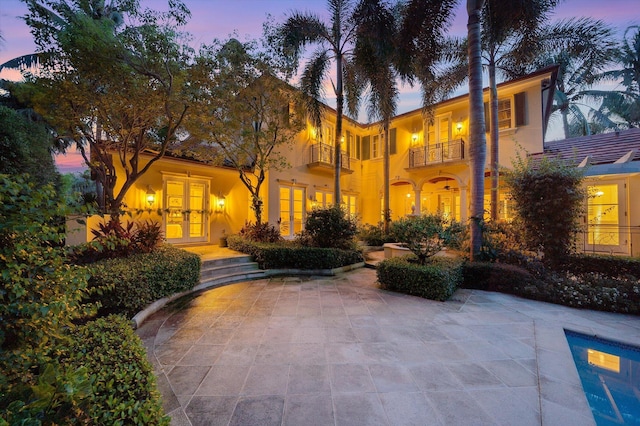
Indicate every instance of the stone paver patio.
{"type": "Point", "coordinates": [339, 351]}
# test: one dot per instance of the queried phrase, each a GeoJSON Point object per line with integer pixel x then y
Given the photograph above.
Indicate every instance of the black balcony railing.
{"type": "Point", "coordinates": [421, 156]}
{"type": "Point", "coordinates": [323, 154]}
{"type": "Point", "coordinates": [610, 239]}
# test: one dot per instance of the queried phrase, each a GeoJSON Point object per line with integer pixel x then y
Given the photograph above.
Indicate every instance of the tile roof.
{"type": "Point", "coordinates": [604, 148]}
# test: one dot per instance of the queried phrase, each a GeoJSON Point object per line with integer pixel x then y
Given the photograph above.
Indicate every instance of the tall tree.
{"type": "Point", "coordinates": [478, 143]}
{"type": "Point", "coordinates": [511, 31]}
{"type": "Point", "coordinates": [246, 116]}
{"type": "Point", "coordinates": [115, 92]}
{"type": "Point", "coordinates": [374, 61]}
{"type": "Point", "coordinates": [625, 104]}
{"type": "Point", "coordinates": [334, 42]}
{"type": "Point", "coordinates": [583, 48]}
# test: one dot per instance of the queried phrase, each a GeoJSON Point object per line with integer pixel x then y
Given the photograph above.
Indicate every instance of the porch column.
{"type": "Point", "coordinates": [464, 206]}
{"type": "Point", "coordinates": [418, 200]}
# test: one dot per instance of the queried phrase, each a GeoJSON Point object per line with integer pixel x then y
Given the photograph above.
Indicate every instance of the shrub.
{"type": "Point", "coordinates": [122, 382]}
{"type": "Point", "coordinates": [436, 280]}
{"type": "Point", "coordinates": [290, 256]}
{"type": "Point", "coordinates": [602, 264]}
{"type": "Point", "coordinates": [496, 277]}
{"type": "Point", "coordinates": [112, 240]}
{"type": "Point", "coordinates": [40, 297]}
{"type": "Point", "coordinates": [420, 234]}
{"type": "Point", "coordinates": [454, 235]}
{"type": "Point", "coordinates": [330, 228]}
{"type": "Point", "coordinates": [261, 232]}
{"type": "Point", "coordinates": [127, 285]}
{"type": "Point", "coordinates": [548, 204]}
{"type": "Point", "coordinates": [373, 235]}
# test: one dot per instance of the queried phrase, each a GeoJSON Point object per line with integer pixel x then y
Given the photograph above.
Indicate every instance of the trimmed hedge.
{"type": "Point", "coordinates": [122, 381]}
{"type": "Point", "coordinates": [602, 264]}
{"type": "Point", "coordinates": [127, 285]}
{"type": "Point", "coordinates": [496, 277]}
{"type": "Point", "coordinates": [584, 289]}
{"type": "Point", "coordinates": [289, 256]}
{"type": "Point", "coordinates": [437, 280]}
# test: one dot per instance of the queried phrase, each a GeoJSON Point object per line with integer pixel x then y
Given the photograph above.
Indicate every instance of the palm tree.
{"type": "Point", "coordinates": [583, 48]}
{"type": "Point", "coordinates": [374, 60]}
{"type": "Point", "coordinates": [478, 143]}
{"type": "Point", "coordinates": [625, 104]}
{"type": "Point", "coordinates": [335, 42]}
{"type": "Point", "coordinates": [510, 34]}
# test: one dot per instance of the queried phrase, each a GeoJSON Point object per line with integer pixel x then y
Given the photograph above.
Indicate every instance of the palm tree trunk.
{"type": "Point", "coordinates": [387, 211]}
{"type": "Point", "coordinates": [494, 135]}
{"type": "Point", "coordinates": [565, 122]}
{"type": "Point", "coordinates": [339, 107]}
{"type": "Point", "coordinates": [478, 148]}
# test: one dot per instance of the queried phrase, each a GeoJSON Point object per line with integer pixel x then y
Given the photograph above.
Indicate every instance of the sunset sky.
{"type": "Point", "coordinates": [220, 18]}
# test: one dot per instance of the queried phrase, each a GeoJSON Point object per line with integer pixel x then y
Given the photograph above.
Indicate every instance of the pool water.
{"type": "Point", "coordinates": [610, 375]}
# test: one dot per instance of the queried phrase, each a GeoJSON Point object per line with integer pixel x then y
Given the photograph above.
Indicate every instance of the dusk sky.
{"type": "Point", "coordinates": [220, 18]}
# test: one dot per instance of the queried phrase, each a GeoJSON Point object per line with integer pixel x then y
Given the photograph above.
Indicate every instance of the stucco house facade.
{"type": "Point", "coordinates": [429, 170]}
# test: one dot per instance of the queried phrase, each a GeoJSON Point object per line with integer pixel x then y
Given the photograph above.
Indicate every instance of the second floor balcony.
{"type": "Point", "coordinates": [444, 152]}
{"type": "Point", "coordinates": [322, 158]}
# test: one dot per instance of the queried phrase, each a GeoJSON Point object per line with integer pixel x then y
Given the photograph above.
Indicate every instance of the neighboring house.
{"type": "Point", "coordinates": [429, 169]}
{"type": "Point", "coordinates": [611, 163]}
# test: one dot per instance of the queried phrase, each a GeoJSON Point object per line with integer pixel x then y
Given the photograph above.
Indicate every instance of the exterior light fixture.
{"type": "Point", "coordinates": [221, 202]}
{"type": "Point", "coordinates": [459, 126]}
{"type": "Point", "coordinates": [414, 138]}
{"type": "Point", "coordinates": [151, 196]}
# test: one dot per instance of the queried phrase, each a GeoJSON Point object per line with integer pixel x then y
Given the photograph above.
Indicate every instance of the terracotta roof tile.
{"type": "Point", "coordinates": [603, 148]}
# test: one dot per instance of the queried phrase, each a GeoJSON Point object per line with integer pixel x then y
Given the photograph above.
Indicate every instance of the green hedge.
{"type": "Point", "coordinates": [129, 284]}
{"type": "Point", "coordinates": [496, 277]}
{"type": "Point", "coordinates": [437, 280]}
{"type": "Point", "coordinates": [122, 381]}
{"type": "Point", "coordinates": [289, 256]}
{"type": "Point", "coordinates": [584, 289]}
{"type": "Point", "coordinates": [602, 264]}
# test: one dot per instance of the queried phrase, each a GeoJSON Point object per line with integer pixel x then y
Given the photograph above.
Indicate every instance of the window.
{"type": "Point", "coordinates": [323, 199]}
{"type": "Point", "coordinates": [376, 148]}
{"type": "Point", "coordinates": [504, 113]}
{"type": "Point", "coordinates": [440, 131]}
{"type": "Point", "coordinates": [603, 215]}
{"type": "Point", "coordinates": [352, 145]}
{"type": "Point", "coordinates": [328, 134]}
{"type": "Point", "coordinates": [349, 204]}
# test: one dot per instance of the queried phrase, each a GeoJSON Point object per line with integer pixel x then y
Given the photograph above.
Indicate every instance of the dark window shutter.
{"type": "Point", "coordinates": [366, 147]}
{"type": "Point", "coordinates": [348, 143]}
{"type": "Point", "coordinates": [520, 100]}
{"type": "Point", "coordinates": [358, 147]}
{"type": "Point", "coordinates": [487, 117]}
{"type": "Point", "coordinates": [392, 141]}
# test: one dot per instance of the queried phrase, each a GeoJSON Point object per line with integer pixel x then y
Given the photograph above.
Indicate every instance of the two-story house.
{"type": "Point", "coordinates": [429, 169]}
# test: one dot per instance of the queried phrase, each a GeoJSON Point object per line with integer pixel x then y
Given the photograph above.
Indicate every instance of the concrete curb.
{"type": "Point", "coordinates": [154, 307]}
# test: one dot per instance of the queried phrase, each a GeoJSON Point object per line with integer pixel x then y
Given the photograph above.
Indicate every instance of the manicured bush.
{"type": "Point", "coordinates": [122, 382]}
{"type": "Point", "coordinates": [496, 277]}
{"type": "Point", "coordinates": [291, 256]}
{"type": "Point", "coordinates": [602, 264]}
{"type": "Point", "coordinates": [548, 203]}
{"type": "Point", "coordinates": [436, 280]}
{"type": "Point", "coordinates": [329, 228]}
{"type": "Point", "coordinates": [127, 285]}
{"type": "Point", "coordinates": [423, 235]}
{"type": "Point", "coordinates": [373, 235]}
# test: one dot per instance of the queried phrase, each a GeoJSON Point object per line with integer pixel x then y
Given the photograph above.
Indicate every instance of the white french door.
{"type": "Point", "coordinates": [606, 229]}
{"type": "Point", "coordinates": [186, 204]}
{"type": "Point", "coordinates": [292, 201]}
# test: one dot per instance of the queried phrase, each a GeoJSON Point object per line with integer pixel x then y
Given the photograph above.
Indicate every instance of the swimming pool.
{"type": "Point", "coordinates": [610, 375]}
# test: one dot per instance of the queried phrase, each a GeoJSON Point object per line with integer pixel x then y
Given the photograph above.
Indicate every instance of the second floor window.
{"type": "Point", "coordinates": [504, 113]}
{"type": "Point", "coordinates": [376, 148]}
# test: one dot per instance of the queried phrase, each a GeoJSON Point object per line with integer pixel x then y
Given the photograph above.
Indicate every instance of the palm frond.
{"type": "Point", "coordinates": [311, 84]}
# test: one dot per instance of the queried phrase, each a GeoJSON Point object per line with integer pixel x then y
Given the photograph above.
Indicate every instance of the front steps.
{"type": "Point", "coordinates": [225, 270]}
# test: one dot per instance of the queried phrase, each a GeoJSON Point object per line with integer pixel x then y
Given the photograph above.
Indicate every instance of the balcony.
{"type": "Point", "coordinates": [322, 158]}
{"type": "Point", "coordinates": [446, 152]}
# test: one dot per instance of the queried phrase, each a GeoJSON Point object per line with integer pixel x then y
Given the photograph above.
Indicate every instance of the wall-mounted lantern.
{"type": "Point", "coordinates": [220, 203]}
{"type": "Point", "coordinates": [151, 196]}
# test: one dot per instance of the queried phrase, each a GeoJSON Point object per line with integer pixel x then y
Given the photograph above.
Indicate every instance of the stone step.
{"type": "Point", "coordinates": [220, 261]}
{"type": "Point", "coordinates": [233, 268]}
{"type": "Point", "coordinates": [220, 280]}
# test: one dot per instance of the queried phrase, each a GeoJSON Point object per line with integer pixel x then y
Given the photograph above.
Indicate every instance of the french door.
{"type": "Point", "coordinates": [186, 204]}
{"type": "Point", "coordinates": [606, 227]}
{"type": "Point", "coordinates": [292, 202]}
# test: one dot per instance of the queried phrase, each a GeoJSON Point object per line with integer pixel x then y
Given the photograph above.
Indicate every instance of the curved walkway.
{"type": "Point", "coordinates": [339, 351]}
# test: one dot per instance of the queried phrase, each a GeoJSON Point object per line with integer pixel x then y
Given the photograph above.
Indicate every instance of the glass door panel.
{"type": "Point", "coordinates": [176, 206]}
{"type": "Point", "coordinates": [605, 218]}
{"type": "Point", "coordinates": [197, 210]}
{"type": "Point", "coordinates": [292, 204]}
{"type": "Point", "coordinates": [298, 209]}
{"type": "Point", "coordinates": [285, 211]}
